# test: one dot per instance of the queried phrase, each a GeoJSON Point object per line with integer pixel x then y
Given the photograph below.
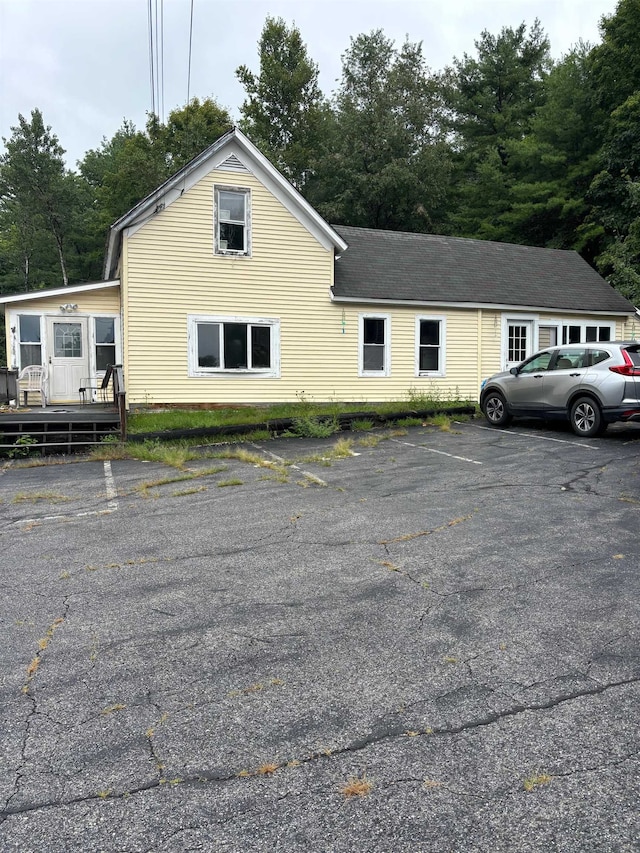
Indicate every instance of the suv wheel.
{"type": "Point", "coordinates": [586, 417]}
{"type": "Point", "coordinates": [495, 409]}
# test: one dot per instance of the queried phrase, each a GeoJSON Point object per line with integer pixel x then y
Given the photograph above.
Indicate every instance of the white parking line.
{"type": "Point", "coordinates": [112, 505]}
{"type": "Point", "coordinates": [112, 492]}
{"type": "Point", "coordinates": [282, 461]}
{"type": "Point", "coordinates": [529, 435]}
{"type": "Point", "coordinates": [440, 452]}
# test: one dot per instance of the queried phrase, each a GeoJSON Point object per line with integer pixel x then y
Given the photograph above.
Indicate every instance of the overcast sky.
{"type": "Point", "coordinates": [85, 63]}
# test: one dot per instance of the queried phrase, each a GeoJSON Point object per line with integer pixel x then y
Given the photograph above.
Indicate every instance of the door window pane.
{"type": "Point", "coordinates": [67, 340]}
{"type": "Point", "coordinates": [517, 343]}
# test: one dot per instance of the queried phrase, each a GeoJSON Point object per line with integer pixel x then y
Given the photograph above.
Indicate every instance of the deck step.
{"type": "Point", "coordinates": [56, 434]}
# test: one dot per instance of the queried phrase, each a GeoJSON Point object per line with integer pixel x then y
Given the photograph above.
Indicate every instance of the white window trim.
{"type": "Point", "coordinates": [509, 319]}
{"type": "Point", "coordinates": [92, 343]}
{"type": "Point", "coordinates": [582, 324]}
{"type": "Point", "coordinates": [207, 372]}
{"type": "Point", "coordinates": [442, 370]}
{"type": "Point", "coordinates": [233, 253]}
{"type": "Point", "coordinates": [386, 371]}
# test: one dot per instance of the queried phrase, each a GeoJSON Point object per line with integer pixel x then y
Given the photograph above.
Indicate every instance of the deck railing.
{"type": "Point", "coordinates": [115, 374]}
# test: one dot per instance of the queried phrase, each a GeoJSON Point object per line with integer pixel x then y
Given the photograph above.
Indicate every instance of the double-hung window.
{"type": "Point", "coordinates": [374, 345]}
{"type": "Point", "coordinates": [30, 339]}
{"type": "Point", "coordinates": [232, 221]}
{"type": "Point", "coordinates": [430, 344]}
{"type": "Point", "coordinates": [105, 331]}
{"type": "Point", "coordinates": [233, 345]}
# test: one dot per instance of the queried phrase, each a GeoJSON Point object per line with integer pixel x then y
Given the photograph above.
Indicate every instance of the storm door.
{"type": "Point", "coordinates": [68, 350]}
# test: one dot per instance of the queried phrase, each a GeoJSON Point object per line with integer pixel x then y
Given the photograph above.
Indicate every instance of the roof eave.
{"type": "Point", "coordinates": [58, 291]}
{"type": "Point", "coordinates": [502, 306]}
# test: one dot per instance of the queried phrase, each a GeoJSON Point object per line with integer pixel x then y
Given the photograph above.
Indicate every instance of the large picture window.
{"type": "Point", "coordinates": [232, 221]}
{"type": "Point", "coordinates": [374, 345]}
{"type": "Point", "coordinates": [233, 345]}
{"type": "Point", "coordinates": [430, 343]}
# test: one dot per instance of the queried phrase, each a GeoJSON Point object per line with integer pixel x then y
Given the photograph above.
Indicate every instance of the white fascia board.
{"type": "Point", "coordinates": [60, 291]}
{"type": "Point", "coordinates": [489, 306]}
{"type": "Point", "coordinates": [233, 142]}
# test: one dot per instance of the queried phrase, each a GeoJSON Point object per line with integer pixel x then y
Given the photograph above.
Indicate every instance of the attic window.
{"type": "Point", "coordinates": [232, 221]}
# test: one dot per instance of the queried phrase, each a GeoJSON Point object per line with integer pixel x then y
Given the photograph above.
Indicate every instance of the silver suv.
{"type": "Point", "coordinates": [590, 385]}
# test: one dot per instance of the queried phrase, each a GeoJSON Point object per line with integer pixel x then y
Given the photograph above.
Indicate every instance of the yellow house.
{"type": "Point", "coordinates": [225, 286]}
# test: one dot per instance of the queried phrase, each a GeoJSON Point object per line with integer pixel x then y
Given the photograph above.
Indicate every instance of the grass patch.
{"type": "Point", "coordinates": [308, 427]}
{"type": "Point", "coordinates": [233, 482]}
{"type": "Point", "coordinates": [533, 782]}
{"type": "Point", "coordinates": [357, 786]}
{"type": "Point", "coordinates": [36, 497]}
{"type": "Point", "coordinates": [409, 422]}
{"type": "Point", "coordinates": [342, 448]}
{"type": "Point", "coordinates": [181, 493]}
{"type": "Point", "coordinates": [362, 425]}
{"type": "Point", "coordinates": [304, 410]}
{"type": "Point", "coordinates": [371, 440]}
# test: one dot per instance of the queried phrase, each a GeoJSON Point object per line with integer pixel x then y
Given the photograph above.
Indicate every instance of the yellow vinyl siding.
{"type": "Point", "coordinates": [94, 302]}
{"type": "Point", "coordinates": [170, 271]}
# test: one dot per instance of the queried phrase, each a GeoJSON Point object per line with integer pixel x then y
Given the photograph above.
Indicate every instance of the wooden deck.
{"type": "Point", "coordinates": [56, 429]}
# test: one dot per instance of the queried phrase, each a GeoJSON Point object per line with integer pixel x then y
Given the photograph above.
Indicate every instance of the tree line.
{"type": "Point", "coordinates": [504, 144]}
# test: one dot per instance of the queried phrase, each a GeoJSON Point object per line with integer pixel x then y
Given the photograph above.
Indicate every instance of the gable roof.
{"type": "Point", "coordinates": [233, 151]}
{"type": "Point", "coordinates": [394, 266]}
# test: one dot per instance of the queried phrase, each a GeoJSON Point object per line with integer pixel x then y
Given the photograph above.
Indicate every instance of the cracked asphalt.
{"type": "Point", "coordinates": [446, 621]}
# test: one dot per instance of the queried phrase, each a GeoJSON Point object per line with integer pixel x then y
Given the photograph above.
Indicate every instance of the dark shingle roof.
{"type": "Point", "coordinates": [397, 266]}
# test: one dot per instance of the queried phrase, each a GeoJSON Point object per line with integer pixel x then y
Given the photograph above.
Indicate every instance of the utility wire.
{"type": "Point", "coordinates": [162, 58]}
{"type": "Point", "coordinates": [151, 74]}
{"type": "Point", "coordinates": [190, 43]}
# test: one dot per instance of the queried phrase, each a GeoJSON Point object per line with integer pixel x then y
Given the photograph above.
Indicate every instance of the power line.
{"type": "Point", "coordinates": [190, 43]}
{"type": "Point", "coordinates": [162, 58]}
{"type": "Point", "coordinates": [151, 69]}
{"type": "Point", "coordinates": [156, 56]}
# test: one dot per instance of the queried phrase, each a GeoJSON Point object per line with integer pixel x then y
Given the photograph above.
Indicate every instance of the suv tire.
{"type": "Point", "coordinates": [586, 418]}
{"type": "Point", "coordinates": [495, 409]}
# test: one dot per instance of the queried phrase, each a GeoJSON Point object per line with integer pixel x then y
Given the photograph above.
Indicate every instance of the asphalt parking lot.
{"type": "Point", "coordinates": [442, 624]}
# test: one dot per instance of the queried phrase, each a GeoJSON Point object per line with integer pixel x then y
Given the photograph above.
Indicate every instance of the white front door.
{"type": "Point", "coordinates": [519, 341]}
{"type": "Point", "coordinates": [68, 358]}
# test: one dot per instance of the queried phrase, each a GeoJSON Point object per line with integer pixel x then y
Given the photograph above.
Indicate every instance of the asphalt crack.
{"type": "Point", "coordinates": [397, 732]}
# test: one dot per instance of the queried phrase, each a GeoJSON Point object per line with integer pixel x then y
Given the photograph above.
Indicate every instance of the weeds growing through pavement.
{"type": "Point", "coordinates": [357, 786]}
